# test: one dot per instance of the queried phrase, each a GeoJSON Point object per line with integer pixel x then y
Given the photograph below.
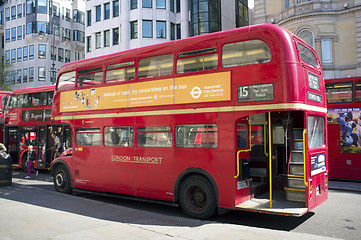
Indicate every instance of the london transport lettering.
{"type": "Point", "coordinates": [137, 159]}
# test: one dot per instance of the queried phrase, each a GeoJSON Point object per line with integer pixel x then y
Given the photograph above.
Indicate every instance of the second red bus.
{"type": "Point", "coordinates": [28, 121]}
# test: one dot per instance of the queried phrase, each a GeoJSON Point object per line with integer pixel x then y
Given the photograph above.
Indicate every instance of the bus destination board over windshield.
{"type": "Point", "coordinates": [259, 92]}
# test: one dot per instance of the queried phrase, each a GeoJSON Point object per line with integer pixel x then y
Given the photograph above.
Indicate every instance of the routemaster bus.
{"type": "Point", "coordinates": [344, 127]}
{"type": "Point", "coordinates": [28, 122]}
{"type": "Point", "coordinates": [3, 100]}
{"type": "Point", "coordinates": [228, 120]}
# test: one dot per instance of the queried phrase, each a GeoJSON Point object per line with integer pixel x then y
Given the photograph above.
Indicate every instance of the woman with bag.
{"type": "Point", "coordinates": [31, 158]}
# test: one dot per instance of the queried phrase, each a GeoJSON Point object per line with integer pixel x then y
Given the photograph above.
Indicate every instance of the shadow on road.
{"type": "Point", "coordinates": [40, 192]}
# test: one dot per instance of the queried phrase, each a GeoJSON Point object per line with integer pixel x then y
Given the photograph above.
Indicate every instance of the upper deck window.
{"type": "Point", "coordinates": [67, 79]}
{"type": "Point", "coordinates": [31, 100]}
{"type": "Point", "coordinates": [339, 92]}
{"type": "Point", "coordinates": [245, 53]}
{"type": "Point", "coordinates": [307, 55]}
{"type": "Point", "coordinates": [358, 91]}
{"type": "Point", "coordinates": [156, 66]}
{"type": "Point", "coordinates": [93, 76]}
{"type": "Point", "coordinates": [198, 60]}
{"type": "Point", "coordinates": [120, 72]}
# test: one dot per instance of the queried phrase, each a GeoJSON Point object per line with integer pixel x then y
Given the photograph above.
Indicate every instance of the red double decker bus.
{"type": "Point", "coordinates": [28, 122]}
{"type": "Point", "coordinates": [229, 120]}
{"type": "Point", "coordinates": [344, 127]}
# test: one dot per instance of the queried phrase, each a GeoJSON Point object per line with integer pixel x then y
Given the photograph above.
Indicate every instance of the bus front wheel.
{"type": "Point", "coordinates": [197, 198]}
{"type": "Point", "coordinates": [24, 163]}
{"type": "Point", "coordinates": [62, 180]}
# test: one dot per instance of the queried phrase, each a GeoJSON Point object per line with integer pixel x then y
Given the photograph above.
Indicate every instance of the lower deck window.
{"type": "Point", "coordinates": [118, 136]}
{"type": "Point", "coordinates": [154, 137]}
{"type": "Point", "coordinates": [88, 137]}
{"type": "Point", "coordinates": [197, 136]}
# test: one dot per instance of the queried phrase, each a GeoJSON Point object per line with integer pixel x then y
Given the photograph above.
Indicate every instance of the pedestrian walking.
{"type": "Point", "coordinates": [31, 158]}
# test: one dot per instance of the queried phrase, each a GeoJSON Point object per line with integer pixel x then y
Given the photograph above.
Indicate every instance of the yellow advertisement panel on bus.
{"type": "Point", "coordinates": [192, 89]}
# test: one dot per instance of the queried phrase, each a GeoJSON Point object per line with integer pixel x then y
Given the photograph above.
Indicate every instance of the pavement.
{"type": "Point", "coordinates": [32, 209]}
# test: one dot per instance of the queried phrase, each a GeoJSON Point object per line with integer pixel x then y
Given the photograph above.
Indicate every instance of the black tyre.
{"type": "Point", "coordinates": [197, 198]}
{"type": "Point", "coordinates": [62, 180]}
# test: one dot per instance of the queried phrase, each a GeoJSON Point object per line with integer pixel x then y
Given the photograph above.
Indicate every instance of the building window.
{"type": "Point", "coordinates": [107, 38]}
{"type": "Point", "coordinates": [205, 16]}
{"type": "Point", "coordinates": [98, 13]}
{"type": "Point", "coordinates": [13, 12]}
{"type": "Point", "coordinates": [287, 3]}
{"type": "Point", "coordinates": [19, 74]}
{"type": "Point", "coordinates": [147, 4]}
{"type": "Point", "coordinates": [56, 9]}
{"type": "Point", "coordinates": [133, 4]}
{"type": "Point", "coordinates": [307, 36]}
{"type": "Point", "coordinates": [25, 53]}
{"type": "Point", "coordinates": [171, 7]}
{"type": "Point", "coordinates": [31, 74]}
{"type": "Point", "coordinates": [326, 46]}
{"type": "Point", "coordinates": [7, 56]}
{"type": "Point", "coordinates": [67, 14]}
{"type": "Point", "coordinates": [13, 55]}
{"type": "Point", "coordinates": [13, 76]}
{"type": "Point", "coordinates": [89, 18]}
{"type": "Point", "coordinates": [134, 30]}
{"type": "Point", "coordinates": [178, 6]}
{"type": "Point", "coordinates": [41, 73]}
{"type": "Point", "coordinates": [98, 42]}
{"type": "Point", "coordinates": [31, 52]}
{"type": "Point", "coordinates": [161, 29]}
{"type": "Point", "coordinates": [179, 31]}
{"type": "Point", "coordinates": [67, 56]}
{"type": "Point", "coordinates": [7, 14]}
{"type": "Point", "coordinates": [60, 54]}
{"type": "Point", "coordinates": [20, 12]}
{"type": "Point", "coordinates": [115, 8]}
{"type": "Point", "coordinates": [242, 13]}
{"type": "Point", "coordinates": [106, 11]}
{"type": "Point", "coordinates": [13, 34]}
{"type": "Point", "coordinates": [160, 4]}
{"type": "Point", "coordinates": [115, 36]}
{"type": "Point", "coordinates": [53, 53]}
{"type": "Point", "coordinates": [147, 28]}
{"type": "Point", "coordinates": [172, 31]}
{"type": "Point", "coordinates": [302, 1]}
{"type": "Point", "coordinates": [42, 51]}
{"type": "Point", "coordinates": [20, 54]}
{"type": "Point", "coordinates": [88, 44]}
{"type": "Point", "coordinates": [7, 35]}
{"type": "Point", "coordinates": [25, 75]}
{"type": "Point", "coordinates": [42, 6]}
{"type": "Point", "coordinates": [20, 32]}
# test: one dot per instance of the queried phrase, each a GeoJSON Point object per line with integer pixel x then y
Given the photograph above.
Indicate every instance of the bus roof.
{"type": "Point", "coordinates": [33, 90]}
{"type": "Point", "coordinates": [189, 44]}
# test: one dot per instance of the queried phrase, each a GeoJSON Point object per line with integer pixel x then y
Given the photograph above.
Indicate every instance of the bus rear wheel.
{"type": "Point", "coordinates": [197, 198]}
{"type": "Point", "coordinates": [62, 181]}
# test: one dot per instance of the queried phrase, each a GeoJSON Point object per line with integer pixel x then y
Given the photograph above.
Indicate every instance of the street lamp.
{"type": "Point", "coordinates": [53, 28]}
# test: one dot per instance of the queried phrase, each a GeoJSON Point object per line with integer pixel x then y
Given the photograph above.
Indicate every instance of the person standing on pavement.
{"type": "Point", "coordinates": [31, 158]}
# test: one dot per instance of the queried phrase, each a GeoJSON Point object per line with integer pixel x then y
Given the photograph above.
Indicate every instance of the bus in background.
{"type": "Point", "coordinates": [28, 121]}
{"type": "Point", "coordinates": [344, 127]}
{"type": "Point", "coordinates": [3, 100]}
{"type": "Point", "coordinates": [228, 120]}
